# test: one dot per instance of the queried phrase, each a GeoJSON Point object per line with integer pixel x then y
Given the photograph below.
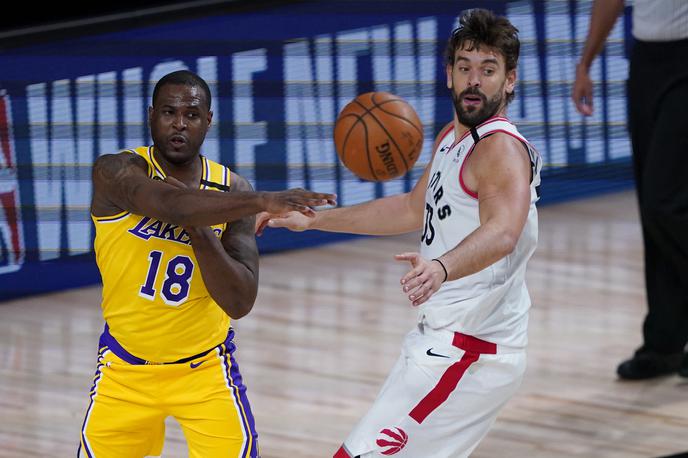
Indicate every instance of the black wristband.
{"type": "Point", "coordinates": [446, 275]}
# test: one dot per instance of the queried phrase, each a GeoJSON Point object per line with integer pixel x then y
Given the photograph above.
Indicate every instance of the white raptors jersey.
{"type": "Point", "coordinates": [491, 304]}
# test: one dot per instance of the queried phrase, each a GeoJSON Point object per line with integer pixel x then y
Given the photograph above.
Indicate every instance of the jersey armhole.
{"type": "Point", "coordinates": [462, 183]}
{"type": "Point", "coordinates": [523, 142]}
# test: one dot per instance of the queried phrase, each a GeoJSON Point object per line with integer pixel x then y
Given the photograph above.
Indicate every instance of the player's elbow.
{"type": "Point", "coordinates": [240, 303]}
{"type": "Point", "coordinates": [238, 308]}
{"type": "Point", "coordinates": [506, 242]}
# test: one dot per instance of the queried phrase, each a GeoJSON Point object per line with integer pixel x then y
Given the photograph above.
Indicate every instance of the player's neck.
{"type": "Point", "coordinates": [461, 129]}
{"type": "Point", "coordinates": [188, 172]}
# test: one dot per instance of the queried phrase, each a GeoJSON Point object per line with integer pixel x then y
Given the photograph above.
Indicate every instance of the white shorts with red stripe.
{"type": "Point", "coordinates": [441, 398]}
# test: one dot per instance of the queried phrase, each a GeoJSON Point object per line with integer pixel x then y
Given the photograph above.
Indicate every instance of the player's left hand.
{"type": "Point", "coordinates": [424, 278]}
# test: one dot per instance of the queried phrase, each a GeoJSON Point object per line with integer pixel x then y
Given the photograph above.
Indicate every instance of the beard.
{"type": "Point", "coordinates": [473, 116]}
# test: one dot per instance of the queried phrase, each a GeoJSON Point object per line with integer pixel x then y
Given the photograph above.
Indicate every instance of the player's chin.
{"type": "Point", "coordinates": [179, 152]}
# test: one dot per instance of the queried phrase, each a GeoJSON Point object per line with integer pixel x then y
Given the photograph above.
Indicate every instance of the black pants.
{"type": "Point", "coordinates": [658, 124]}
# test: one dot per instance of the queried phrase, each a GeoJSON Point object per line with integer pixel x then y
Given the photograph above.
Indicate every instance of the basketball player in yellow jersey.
{"type": "Point", "coordinates": [176, 250]}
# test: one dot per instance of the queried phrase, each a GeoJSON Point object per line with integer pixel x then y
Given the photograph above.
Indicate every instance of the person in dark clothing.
{"type": "Point", "coordinates": [657, 95]}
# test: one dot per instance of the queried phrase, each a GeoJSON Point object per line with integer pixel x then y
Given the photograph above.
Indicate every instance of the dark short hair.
{"type": "Point", "coordinates": [479, 27]}
{"type": "Point", "coordinates": [183, 77]}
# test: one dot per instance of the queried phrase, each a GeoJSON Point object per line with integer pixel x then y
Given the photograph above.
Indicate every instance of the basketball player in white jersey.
{"type": "Point", "coordinates": [475, 205]}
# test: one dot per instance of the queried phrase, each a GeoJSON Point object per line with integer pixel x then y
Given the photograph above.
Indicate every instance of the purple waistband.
{"type": "Point", "coordinates": [107, 340]}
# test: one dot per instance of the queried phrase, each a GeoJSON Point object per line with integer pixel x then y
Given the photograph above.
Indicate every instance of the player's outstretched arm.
{"type": "Point", "coordinates": [120, 182]}
{"type": "Point", "coordinates": [397, 214]}
{"type": "Point", "coordinates": [229, 266]}
{"type": "Point", "coordinates": [385, 216]}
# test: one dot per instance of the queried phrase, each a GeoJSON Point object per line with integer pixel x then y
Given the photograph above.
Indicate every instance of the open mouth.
{"type": "Point", "coordinates": [472, 100]}
{"type": "Point", "coordinates": [177, 141]}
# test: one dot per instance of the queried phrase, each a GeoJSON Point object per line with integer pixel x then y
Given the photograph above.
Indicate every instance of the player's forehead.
{"type": "Point", "coordinates": [180, 95]}
{"type": "Point", "coordinates": [478, 54]}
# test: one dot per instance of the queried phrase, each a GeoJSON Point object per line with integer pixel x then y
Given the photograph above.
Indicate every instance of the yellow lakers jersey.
{"type": "Point", "coordinates": [154, 299]}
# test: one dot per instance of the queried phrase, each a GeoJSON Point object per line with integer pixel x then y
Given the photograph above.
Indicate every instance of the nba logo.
{"type": "Point", "coordinates": [11, 232]}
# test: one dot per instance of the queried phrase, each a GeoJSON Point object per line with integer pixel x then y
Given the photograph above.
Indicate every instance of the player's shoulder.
{"type": "Point", "coordinates": [445, 136]}
{"type": "Point", "coordinates": [239, 183]}
{"type": "Point", "coordinates": [444, 133]}
{"type": "Point", "coordinates": [112, 165]}
{"type": "Point", "coordinates": [499, 141]}
{"type": "Point", "coordinates": [499, 148]}
{"type": "Point", "coordinates": [139, 150]}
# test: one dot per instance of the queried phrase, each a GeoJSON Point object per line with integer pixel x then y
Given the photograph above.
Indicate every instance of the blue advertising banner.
{"type": "Point", "coordinates": [278, 79]}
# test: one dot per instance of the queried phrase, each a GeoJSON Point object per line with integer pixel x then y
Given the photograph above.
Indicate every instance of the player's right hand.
{"type": "Point", "coordinates": [294, 221]}
{"type": "Point", "coordinates": [582, 91]}
{"type": "Point", "coordinates": [299, 200]}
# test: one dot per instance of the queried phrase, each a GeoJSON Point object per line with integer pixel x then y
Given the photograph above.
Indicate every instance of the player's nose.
{"type": "Point", "coordinates": [474, 78]}
{"type": "Point", "coordinates": [179, 122]}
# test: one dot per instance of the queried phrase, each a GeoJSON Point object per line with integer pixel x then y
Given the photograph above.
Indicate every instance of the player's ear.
{"type": "Point", "coordinates": [510, 83]}
{"type": "Point", "coordinates": [450, 83]}
{"type": "Point", "coordinates": [150, 115]}
{"type": "Point", "coordinates": [210, 118]}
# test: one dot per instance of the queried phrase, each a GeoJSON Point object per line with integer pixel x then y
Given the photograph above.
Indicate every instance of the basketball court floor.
{"type": "Point", "coordinates": [328, 326]}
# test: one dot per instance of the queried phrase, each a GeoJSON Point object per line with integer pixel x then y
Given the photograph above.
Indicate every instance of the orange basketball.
{"type": "Point", "coordinates": [378, 136]}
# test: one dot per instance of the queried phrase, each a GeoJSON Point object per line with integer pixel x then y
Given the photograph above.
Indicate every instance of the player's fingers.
{"type": "Point", "coordinates": [584, 104]}
{"type": "Point", "coordinates": [414, 293]}
{"type": "Point", "coordinates": [262, 220]}
{"type": "Point", "coordinates": [422, 277]}
{"type": "Point", "coordinates": [421, 284]}
{"type": "Point", "coordinates": [277, 222]}
{"type": "Point", "coordinates": [582, 107]}
{"type": "Point", "coordinates": [418, 297]}
{"type": "Point", "coordinates": [428, 287]}
{"type": "Point", "coordinates": [587, 107]}
{"type": "Point", "coordinates": [405, 256]}
{"type": "Point", "coordinates": [303, 209]}
{"type": "Point", "coordinates": [318, 198]}
{"type": "Point", "coordinates": [411, 284]}
{"type": "Point", "coordinates": [410, 275]}
{"type": "Point", "coordinates": [326, 199]}
{"type": "Point", "coordinates": [408, 257]}
{"type": "Point", "coordinates": [423, 294]}
{"type": "Point", "coordinates": [420, 300]}
{"type": "Point", "coordinates": [261, 227]}
{"type": "Point", "coordinates": [582, 97]}
{"type": "Point", "coordinates": [315, 202]}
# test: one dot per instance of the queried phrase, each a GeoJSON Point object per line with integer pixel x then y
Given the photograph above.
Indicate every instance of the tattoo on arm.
{"type": "Point", "coordinates": [110, 173]}
{"type": "Point", "coordinates": [113, 166]}
{"type": "Point", "coordinates": [239, 238]}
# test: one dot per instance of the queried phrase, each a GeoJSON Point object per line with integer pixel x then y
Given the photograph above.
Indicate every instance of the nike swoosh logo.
{"type": "Point", "coordinates": [195, 365]}
{"type": "Point", "coordinates": [430, 353]}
